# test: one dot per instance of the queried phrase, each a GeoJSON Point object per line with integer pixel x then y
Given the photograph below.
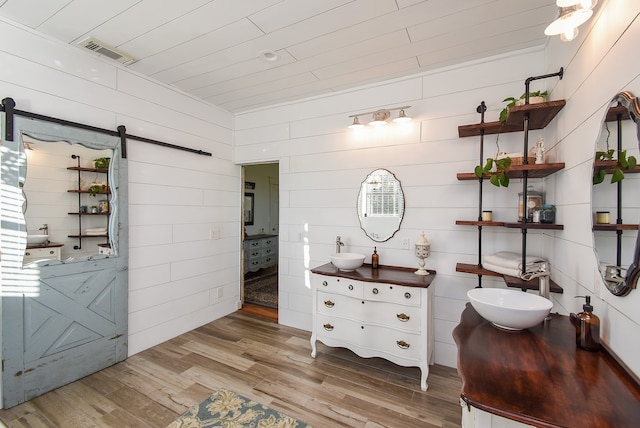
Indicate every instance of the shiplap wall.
{"type": "Point", "coordinates": [175, 198]}
{"type": "Point", "coordinates": [322, 165]}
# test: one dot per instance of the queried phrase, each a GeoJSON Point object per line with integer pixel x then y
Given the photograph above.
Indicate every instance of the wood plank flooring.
{"type": "Point", "coordinates": [259, 359]}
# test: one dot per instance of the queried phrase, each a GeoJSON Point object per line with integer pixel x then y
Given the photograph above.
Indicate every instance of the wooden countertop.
{"type": "Point", "coordinates": [384, 274]}
{"type": "Point", "coordinates": [49, 245]}
{"type": "Point", "coordinates": [539, 377]}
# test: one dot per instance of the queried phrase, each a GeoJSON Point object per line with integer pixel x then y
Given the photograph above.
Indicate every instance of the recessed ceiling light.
{"type": "Point", "coordinates": [269, 56]}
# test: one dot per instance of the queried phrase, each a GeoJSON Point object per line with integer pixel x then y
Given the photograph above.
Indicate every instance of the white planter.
{"type": "Point", "coordinates": [532, 100]}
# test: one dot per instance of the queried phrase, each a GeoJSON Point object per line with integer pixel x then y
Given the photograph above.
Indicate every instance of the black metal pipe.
{"type": "Point", "coordinates": [482, 108]}
{"type": "Point", "coordinates": [619, 196]}
{"type": "Point", "coordinates": [8, 105]}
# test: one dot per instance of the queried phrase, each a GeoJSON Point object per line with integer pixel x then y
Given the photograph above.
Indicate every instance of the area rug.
{"type": "Point", "coordinates": [262, 290]}
{"type": "Point", "coordinates": [227, 409]}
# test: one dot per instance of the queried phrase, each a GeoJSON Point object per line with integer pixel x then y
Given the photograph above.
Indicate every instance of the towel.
{"type": "Point", "coordinates": [502, 270]}
{"type": "Point", "coordinates": [512, 260]}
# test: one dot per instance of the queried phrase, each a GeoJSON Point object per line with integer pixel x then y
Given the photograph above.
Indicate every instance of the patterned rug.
{"type": "Point", "coordinates": [262, 289]}
{"type": "Point", "coordinates": [227, 409]}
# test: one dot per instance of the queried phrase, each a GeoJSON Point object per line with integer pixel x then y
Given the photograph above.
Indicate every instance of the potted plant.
{"type": "Point", "coordinates": [95, 188]}
{"type": "Point", "coordinates": [101, 163]}
{"type": "Point", "coordinates": [499, 178]}
{"type": "Point", "coordinates": [535, 97]}
{"type": "Point", "coordinates": [623, 162]}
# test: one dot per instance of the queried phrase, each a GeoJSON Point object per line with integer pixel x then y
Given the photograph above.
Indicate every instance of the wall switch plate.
{"type": "Point", "coordinates": [220, 291]}
{"type": "Point", "coordinates": [406, 243]}
{"type": "Point", "coordinates": [214, 233]}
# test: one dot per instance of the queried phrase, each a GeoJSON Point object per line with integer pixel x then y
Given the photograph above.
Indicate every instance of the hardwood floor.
{"type": "Point", "coordinates": [259, 359]}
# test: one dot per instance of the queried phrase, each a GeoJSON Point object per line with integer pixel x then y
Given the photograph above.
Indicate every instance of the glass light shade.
{"type": "Point", "coordinates": [356, 124]}
{"type": "Point", "coordinates": [585, 4]}
{"type": "Point", "coordinates": [569, 35]}
{"type": "Point", "coordinates": [380, 118]}
{"type": "Point", "coordinates": [569, 18]}
{"type": "Point", "coordinates": [402, 117]}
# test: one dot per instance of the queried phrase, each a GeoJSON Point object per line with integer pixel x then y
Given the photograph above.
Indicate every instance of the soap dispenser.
{"type": "Point", "coordinates": [375, 259]}
{"type": "Point", "coordinates": [587, 326]}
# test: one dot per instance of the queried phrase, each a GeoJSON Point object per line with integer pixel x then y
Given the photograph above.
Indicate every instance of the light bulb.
{"type": "Point", "coordinates": [569, 34]}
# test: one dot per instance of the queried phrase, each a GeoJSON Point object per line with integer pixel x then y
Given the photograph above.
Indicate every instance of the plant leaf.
{"type": "Point", "coordinates": [494, 180]}
{"type": "Point", "coordinates": [632, 161]}
{"type": "Point", "coordinates": [599, 176]}
{"type": "Point", "coordinates": [479, 171]}
{"type": "Point", "coordinates": [504, 180]}
{"type": "Point", "coordinates": [618, 175]}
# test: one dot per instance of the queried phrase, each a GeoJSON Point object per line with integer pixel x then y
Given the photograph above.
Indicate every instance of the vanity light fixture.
{"type": "Point", "coordinates": [381, 117]}
{"type": "Point", "coordinates": [571, 14]}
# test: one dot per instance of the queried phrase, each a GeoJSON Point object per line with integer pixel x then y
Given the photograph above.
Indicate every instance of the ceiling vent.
{"type": "Point", "coordinates": [103, 49]}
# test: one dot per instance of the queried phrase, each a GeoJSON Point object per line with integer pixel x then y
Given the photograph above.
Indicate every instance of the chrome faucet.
{"type": "Point", "coordinates": [339, 244]}
{"type": "Point", "coordinates": [45, 229]}
{"type": "Point", "coordinates": [543, 274]}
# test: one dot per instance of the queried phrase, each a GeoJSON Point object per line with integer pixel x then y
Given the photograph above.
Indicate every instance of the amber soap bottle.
{"type": "Point", "coordinates": [375, 259]}
{"type": "Point", "coordinates": [587, 326]}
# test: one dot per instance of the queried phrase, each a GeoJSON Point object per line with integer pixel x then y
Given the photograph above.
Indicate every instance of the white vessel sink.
{"type": "Point", "coordinates": [509, 309]}
{"type": "Point", "coordinates": [347, 261]}
{"type": "Point", "coordinates": [37, 239]}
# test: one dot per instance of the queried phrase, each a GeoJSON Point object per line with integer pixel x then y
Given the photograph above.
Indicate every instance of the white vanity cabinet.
{"type": "Point", "coordinates": [51, 251]}
{"type": "Point", "coordinates": [375, 319]}
{"type": "Point", "coordinates": [260, 251]}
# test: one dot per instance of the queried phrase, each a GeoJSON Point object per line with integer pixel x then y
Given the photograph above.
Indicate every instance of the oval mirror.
{"type": "Point", "coordinates": [380, 205]}
{"type": "Point", "coordinates": [614, 197]}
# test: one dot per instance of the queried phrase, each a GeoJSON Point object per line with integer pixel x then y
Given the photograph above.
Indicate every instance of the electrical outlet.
{"type": "Point", "coordinates": [214, 233]}
{"type": "Point", "coordinates": [405, 243]}
{"type": "Point", "coordinates": [220, 291]}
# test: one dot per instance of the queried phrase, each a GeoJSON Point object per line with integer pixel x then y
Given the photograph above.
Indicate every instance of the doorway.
{"type": "Point", "coordinates": [260, 216]}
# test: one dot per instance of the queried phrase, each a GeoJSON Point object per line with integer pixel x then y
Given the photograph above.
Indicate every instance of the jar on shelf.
{"type": "Point", "coordinates": [535, 200]}
{"type": "Point", "coordinates": [548, 214]}
{"type": "Point", "coordinates": [103, 206]}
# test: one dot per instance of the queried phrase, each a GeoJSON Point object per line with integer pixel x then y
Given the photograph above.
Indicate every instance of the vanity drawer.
{"type": "Point", "coordinates": [333, 284]}
{"type": "Point", "coordinates": [370, 312]}
{"type": "Point", "coordinates": [367, 340]}
{"type": "Point", "coordinates": [393, 293]}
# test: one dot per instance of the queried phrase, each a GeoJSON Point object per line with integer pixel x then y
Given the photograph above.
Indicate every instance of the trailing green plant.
{"type": "Point", "coordinates": [623, 162]}
{"type": "Point", "coordinates": [512, 102]}
{"type": "Point", "coordinates": [94, 189]}
{"type": "Point", "coordinates": [499, 178]}
{"type": "Point", "coordinates": [101, 163]}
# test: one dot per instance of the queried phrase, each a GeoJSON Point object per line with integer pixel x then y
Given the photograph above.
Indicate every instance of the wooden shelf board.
{"type": "Point", "coordinates": [518, 171]}
{"type": "Point", "coordinates": [511, 281]}
{"type": "Point", "coordinates": [479, 223]}
{"type": "Point", "coordinates": [612, 114]}
{"type": "Point", "coordinates": [87, 236]}
{"type": "Point", "coordinates": [473, 268]}
{"type": "Point", "coordinates": [533, 284]}
{"type": "Point", "coordinates": [519, 225]}
{"type": "Point", "coordinates": [615, 227]}
{"type": "Point", "coordinates": [88, 213]}
{"type": "Point", "coordinates": [106, 192]}
{"type": "Point", "coordinates": [80, 168]}
{"type": "Point", "coordinates": [539, 116]}
{"type": "Point", "coordinates": [609, 166]}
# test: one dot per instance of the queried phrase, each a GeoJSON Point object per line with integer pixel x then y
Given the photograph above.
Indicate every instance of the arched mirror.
{"type": "Point", "coordinates": [70, 197]}
{"type": "Point", "coordinates": [380, 205]}
{"type": "Point", "coordinates": [615, 202]}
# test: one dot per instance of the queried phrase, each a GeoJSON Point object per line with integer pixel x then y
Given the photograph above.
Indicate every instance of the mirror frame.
{"type": "Point", "coordinates": [622, 286]}
{"type": "Point", "coordinates": [60, 133]}
{"type": "Point", "coordinates": [372, 234]}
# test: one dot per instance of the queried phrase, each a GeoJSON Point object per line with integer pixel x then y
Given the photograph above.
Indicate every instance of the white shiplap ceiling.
{"type": "Point", "coordinates": [213, 49]}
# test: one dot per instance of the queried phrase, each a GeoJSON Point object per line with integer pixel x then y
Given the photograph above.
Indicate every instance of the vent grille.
{"type": "Point", "coordinates": [103, 49]}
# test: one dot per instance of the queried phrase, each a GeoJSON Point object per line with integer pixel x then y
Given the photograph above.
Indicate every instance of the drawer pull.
{"type": "Point", "coordinates": [329, 303]}
{"type": "Point", "coordinates": [328, 327]}
{"type": "Point", "coordinates": [27, 253]}
{"type": "Point", "coordinates": [407, 295]}
{"type": "Point", "coordinates": [402, 344]}
{"type": "Point", "coordinates": [403, 317]}
{"type": "Point", "coordinates": [351, 287]}
{"type": "Point", "coordinates": [375, 291]}
{"type": "Point", "coordinates": [324, 283]}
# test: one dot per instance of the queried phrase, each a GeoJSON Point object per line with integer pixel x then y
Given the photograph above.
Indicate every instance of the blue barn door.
{"type": "Point", "coordinates": [61, 320]}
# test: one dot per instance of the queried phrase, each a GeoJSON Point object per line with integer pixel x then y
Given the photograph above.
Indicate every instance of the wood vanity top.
{"type": "Point", "coordinates": [49, 245]}
{"type": "Point", "coordinates": [384, 274]}
{"type": "Point", "coordinates": [539, 377]}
